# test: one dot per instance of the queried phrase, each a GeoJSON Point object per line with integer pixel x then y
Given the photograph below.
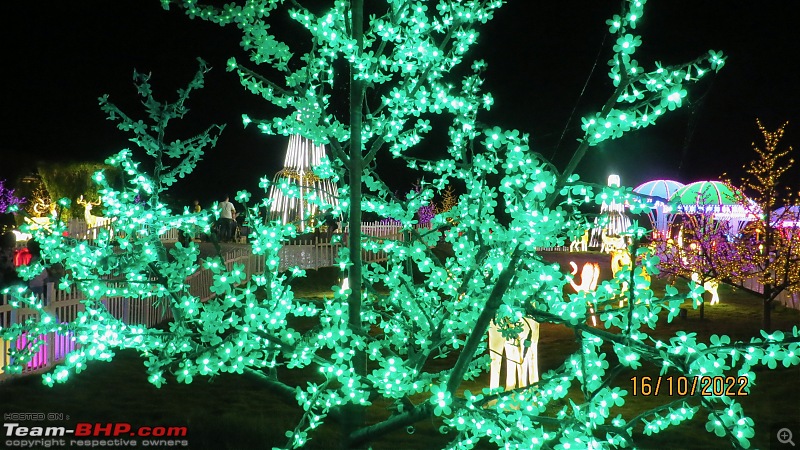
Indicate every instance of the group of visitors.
{"type": "Point", "coordinates": [8, 272]}
{"type": "Point", "coordinates": [11, 257]}
{"type": "Point", "coordinates": [226, 226]}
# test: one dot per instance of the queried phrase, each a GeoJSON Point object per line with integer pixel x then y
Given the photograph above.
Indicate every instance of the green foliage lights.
{"type": "Point", "coordinates": [647, 94]}
{"type": "Point", "coordinates": [368, 345]}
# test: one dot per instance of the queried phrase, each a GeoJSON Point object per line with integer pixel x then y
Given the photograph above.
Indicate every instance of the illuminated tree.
{"type": "Point", "coordinates": [8, 201]}
{"type": "Point", "coordinates": [373, 341]}
{"type": "Point", "coordinates": [425, 212]}
{"type": "Point", "coordinates": [449, 200]}
{"type": "Point", "coordinates": [132, 261]}
{"type": "Point", "coordinates": [39, 200]}
{"type": "Point", "coordinates": [777, 265]}
{"type": "Point", "coordinates": [707, 253]}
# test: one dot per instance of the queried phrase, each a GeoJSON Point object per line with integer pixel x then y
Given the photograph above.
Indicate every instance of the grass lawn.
{"type": "Point", "coordinates": [236, 412]}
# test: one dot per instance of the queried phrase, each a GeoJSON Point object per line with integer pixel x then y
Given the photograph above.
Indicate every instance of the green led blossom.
{"type": "Point", "coordinates": [717, 59]}
{"type": "Point", "coordinates": [614, 23]}
{"type": "Point", "coordinates": [380, 342]}
{"type": "Point", "coordinates": [627, 44]}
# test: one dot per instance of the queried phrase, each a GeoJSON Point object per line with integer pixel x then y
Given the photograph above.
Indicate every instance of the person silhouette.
{"type": "Point", "coordinates": [227, 217]}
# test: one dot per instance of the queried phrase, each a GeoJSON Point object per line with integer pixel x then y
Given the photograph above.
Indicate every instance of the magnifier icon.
{"type": "Point", "coordinates": [785, 436]}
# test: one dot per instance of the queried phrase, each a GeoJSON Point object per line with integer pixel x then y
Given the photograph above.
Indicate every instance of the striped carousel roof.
{"type": "Point", "coordinates": [663, 189]}
{"type": "Point", "coordinates": [713, 197]}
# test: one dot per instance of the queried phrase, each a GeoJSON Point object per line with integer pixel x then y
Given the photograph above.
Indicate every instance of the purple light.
{"type": "Point", "coordinates": [7, 198]}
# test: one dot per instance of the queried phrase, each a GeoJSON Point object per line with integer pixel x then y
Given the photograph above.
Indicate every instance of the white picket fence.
{"type": "Point", "coordinates": [65, 306]}
{"type": "Point", "coordinates": [78, 229]}
{"type": "Point", "coordinates": [302, 253]}
{"type": "Point", "coordinates": [201, 281]}
{"type": "Point", "coordinates": [786, 298]}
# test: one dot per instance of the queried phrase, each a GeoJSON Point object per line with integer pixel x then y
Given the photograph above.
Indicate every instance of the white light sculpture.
{"type": "Point", "coordinates": [613, 220]}
{"type": "Point", "coordinates": [710, 285]}
{"type": "Point", "coordinates": [522, 365]}
{"type": "Point", "coordinates": [298, 175]}
{"type": "Point", "coordinates": [590, 274]}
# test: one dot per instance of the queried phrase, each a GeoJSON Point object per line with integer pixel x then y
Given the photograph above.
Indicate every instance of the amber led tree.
{"type": "Point", "coordinates": [774, 198]}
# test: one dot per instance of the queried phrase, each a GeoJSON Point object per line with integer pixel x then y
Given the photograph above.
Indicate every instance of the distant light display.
{"type": "Point", "coordinates": [718, 199]}
{"type": "Point", "coordinates": [297, 191]}
{"type": "Point", "coordinates": [8, 201]}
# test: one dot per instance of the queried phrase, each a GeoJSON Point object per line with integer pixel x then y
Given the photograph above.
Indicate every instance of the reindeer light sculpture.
{"type": "Point", "coordinates": [581, 244]}
{"type": "Point", "coordinates": [91, 219]}
{"type": "Point", "coordinates": [93, 223]}
{"type": "Point", "coordinates": [589, 276]}
{"type": "Point", "coordinates": [710, 285]}
{"type": "Point", "coordinates": [522, 365]}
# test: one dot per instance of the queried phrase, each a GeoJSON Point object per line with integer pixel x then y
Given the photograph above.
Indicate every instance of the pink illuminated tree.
{"type": "Point", "coordinates": [707, 253]}
{"type": "Point", "coordinates": [8, 201]}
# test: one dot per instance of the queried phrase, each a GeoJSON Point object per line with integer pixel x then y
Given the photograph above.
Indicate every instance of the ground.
{"type": "Point", "coordinates": [235, 412]}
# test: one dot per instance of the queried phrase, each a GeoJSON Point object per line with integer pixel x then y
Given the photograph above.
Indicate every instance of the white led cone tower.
{"type": "Point", "coordinates": [302, 156]}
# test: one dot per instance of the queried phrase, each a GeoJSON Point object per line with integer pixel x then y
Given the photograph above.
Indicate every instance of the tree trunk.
{"type": "Point", "coordinates": [703, 307]}
{"type": "Point", "coordinates": [766, 318]}
{"type": "Point", "coordinates": [354, 415]}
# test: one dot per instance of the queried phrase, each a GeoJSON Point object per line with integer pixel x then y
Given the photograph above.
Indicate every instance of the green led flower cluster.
{"type": "Point", "coordinates": [376, 341]}
{"type": "Point", "coordinates": [642, 96]}
{"type": "Point", "coordinates": [127, 260]}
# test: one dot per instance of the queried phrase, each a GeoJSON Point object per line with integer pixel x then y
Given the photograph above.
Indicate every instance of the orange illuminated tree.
{"type": "Point", "coordinates": [776, 264]}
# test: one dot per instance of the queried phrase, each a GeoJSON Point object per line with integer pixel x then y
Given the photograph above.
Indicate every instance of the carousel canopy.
{"type": "Point", "coordinates": [659, 193]}
{"type": "Point", "coordinates": [662, 190]}
{"type": "Point", "coordinates": [700, 193]}
{"type": "Point", "coordinates": [714, 197]}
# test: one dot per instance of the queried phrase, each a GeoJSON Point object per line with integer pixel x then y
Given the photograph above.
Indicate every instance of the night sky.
{"type": "Point", "coordinates": [61, 57]}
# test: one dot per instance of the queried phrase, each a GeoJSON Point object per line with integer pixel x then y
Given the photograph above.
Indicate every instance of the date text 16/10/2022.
{"type": "Point", "coordinates": [681, 385]}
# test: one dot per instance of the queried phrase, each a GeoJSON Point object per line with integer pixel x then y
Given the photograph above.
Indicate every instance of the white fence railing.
{"type": "Point", "coordinates": [786, 298]}
{"type": "Point", "coordinates": [65, 306]}
{"type": "Point", "coordinates": [301, 253]}
{"type": "Point", "coordinates": [201, 281]}
{"type": "Point", "coordinates": [78, 229]}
